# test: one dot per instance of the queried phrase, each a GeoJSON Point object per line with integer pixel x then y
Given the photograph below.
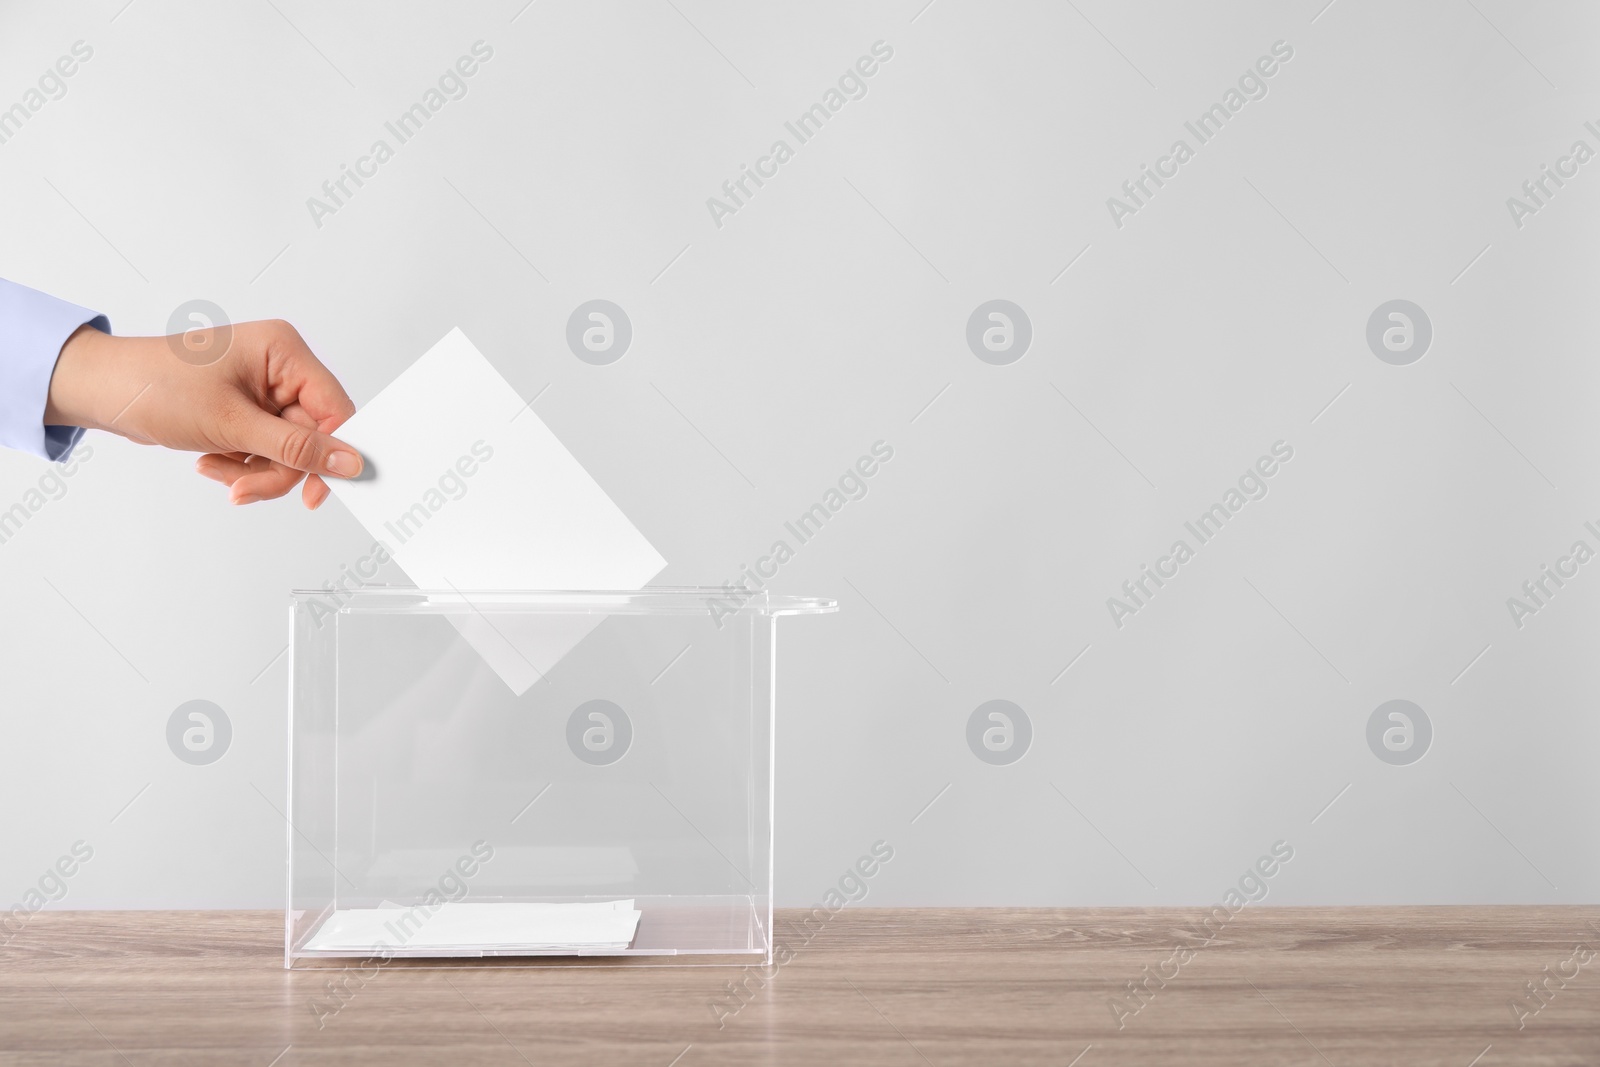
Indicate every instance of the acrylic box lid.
{"type": "Point", "coordinates": [664, 600]}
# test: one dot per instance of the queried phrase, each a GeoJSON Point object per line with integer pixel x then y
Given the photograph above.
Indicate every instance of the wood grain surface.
{"type": "Point", "coordinates": [1324, 986]}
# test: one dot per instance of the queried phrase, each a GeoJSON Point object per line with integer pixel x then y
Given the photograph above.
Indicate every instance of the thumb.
{"type": "Point", "coordinates": [304, 449]}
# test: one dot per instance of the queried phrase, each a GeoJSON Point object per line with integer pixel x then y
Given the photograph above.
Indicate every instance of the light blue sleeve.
{"type": "Point", "coordinates": [33, 327]}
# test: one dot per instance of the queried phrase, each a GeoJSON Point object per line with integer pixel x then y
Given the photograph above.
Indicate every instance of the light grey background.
{"type": "Point", "coordinates": [829, 313]}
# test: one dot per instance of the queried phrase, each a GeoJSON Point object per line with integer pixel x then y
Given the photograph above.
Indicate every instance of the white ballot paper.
{"type": "Point", "coordinates": [605, 926]}
{"type": "Point", "coordinates": [470, 490]}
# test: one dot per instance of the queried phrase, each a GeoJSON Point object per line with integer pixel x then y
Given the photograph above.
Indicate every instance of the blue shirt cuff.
{"type": "Point", "coordinates": [33, 327]}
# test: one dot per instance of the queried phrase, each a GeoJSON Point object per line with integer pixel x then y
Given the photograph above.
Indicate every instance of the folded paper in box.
{"type": "Point", "coordinates": [490, 926]}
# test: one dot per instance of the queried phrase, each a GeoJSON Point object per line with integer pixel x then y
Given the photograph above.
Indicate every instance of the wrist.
{"type": "Point", "coordinates": [81, 380]}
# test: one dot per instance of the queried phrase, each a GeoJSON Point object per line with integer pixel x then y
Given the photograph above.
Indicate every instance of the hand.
{"type": "Point", "coordinates": [261, 411]}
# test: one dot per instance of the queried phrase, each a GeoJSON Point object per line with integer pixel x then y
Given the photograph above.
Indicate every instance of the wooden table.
{"type": "Point", "coordinates": [1325, 986]}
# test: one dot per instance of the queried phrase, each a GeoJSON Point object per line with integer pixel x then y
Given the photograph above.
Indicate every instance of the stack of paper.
{"type": "Point", "coordinates": [608, 926]}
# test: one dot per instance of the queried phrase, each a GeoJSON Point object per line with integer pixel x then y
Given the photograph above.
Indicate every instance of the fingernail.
{"type": "Point", "coordinates": [248, 498]}
{"type": "Point", "coordinates": [344, 464]}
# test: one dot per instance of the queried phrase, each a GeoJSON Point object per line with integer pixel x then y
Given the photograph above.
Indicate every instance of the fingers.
{"type": "Point", "coordinates": [269, 483]}
{"type": "Point", "coordinates": [281, 435]}
{"type": "Point", "coordinates": [251, 478]}
{"type": "Point", "coordinates": [229, 467]}
{"type": "Point", "coordinates": [230, 472]}
{"type": "Point", "coordinates": [300, 448]}
{"type": "Point", "coordinates": [315, 492]}
{"type": "Point", "coordinates": [297, 376]}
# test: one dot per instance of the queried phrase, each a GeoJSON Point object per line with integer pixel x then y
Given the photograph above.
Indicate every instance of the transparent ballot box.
{"type": "Point", "coordinates": [518, 774]}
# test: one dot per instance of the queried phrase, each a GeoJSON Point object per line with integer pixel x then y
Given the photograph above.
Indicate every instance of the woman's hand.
{"type": "Point", "coordinates": [261, 410]}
